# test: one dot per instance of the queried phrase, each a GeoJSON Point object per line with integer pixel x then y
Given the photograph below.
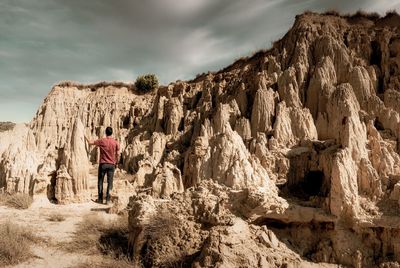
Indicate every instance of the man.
{"type": "Point", "coordinates": [109, 151]}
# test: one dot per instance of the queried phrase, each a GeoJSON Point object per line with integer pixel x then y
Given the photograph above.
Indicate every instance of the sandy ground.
{"type": "Point", "coordinates": [48, 254]}
{"type": "Point", "coordinates": [36, 218]}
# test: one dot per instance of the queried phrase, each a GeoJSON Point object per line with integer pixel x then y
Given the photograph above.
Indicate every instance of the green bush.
{"type": "Point", "coordinates": [146, 83]}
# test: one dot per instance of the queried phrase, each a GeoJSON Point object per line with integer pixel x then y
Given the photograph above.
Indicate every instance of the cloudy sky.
{"type": "Point", "coordinates": [45, 41]}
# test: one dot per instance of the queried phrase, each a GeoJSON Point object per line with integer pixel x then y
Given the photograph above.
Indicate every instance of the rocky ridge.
{"type": "Point", "coordinates": [293, 152]}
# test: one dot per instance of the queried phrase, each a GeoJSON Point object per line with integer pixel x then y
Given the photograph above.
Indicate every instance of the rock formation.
{"type": "Point", "coordinates": [288, 157]}
{"type": "Point", "coordinates": [72, 175]}
{"type": "Point", "coordinates": [34, 157]}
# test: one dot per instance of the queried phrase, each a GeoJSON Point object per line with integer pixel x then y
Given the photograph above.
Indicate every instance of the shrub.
{"type": "Point", "coordinates": [363, 14]}
{"type": "Point", "coordinates": [392, 12]}
{"type": "Point", "coordinates": [3, 199]}
{"type": "Point", "coordinates": [146, 83]}
{"type": "Point", "coordinates": [161, 224]}
{"type": "Point", "coordinates": [95, 235]}
{"type": "Point", "coordinates": [15, 243]}
{"type": "Point", "coordinates": [18, 200]}
{"type": "Point", "coordinates": [56, 217]}
{"type": "Point", "coordinates": [332, 12]}
{"type": "Point", "coordinates": [160, 231]}
{"type": "Point", "coordinates": [86, 236]}
{"type": "Point", "coordinates": [4, 126]}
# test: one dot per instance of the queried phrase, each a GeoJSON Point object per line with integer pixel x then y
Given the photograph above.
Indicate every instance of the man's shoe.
{"type": "Point", "coordinates": [100, 201]}
{"type": "Point", "coordinates": [108, 202]}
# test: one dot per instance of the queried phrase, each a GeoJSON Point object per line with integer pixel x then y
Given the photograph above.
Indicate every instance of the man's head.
{"type": "Point", "coordinates": [109, 131]}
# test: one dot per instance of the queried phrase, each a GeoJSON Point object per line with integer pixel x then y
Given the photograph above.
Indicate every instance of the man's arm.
{"type": "Point", "coordinates": [89, 141]}
{"type": "Point", "coordinates": [116, 158]}
{"type": "Point", "coordinates": [117, 155]}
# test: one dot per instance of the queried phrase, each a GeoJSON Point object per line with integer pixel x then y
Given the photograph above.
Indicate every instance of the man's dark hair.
{"type": "Point", "coordinates": [109, 131]}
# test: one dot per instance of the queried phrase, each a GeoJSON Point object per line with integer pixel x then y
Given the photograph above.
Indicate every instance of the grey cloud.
{"type": "Point", "coordinates": [44, 41]}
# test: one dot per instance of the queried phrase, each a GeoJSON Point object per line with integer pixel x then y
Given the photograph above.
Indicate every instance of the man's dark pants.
{"type": "Point", "coordinates": [103, 170]}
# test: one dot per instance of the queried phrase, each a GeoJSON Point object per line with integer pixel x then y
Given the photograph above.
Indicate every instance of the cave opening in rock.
{"type": "Point", "coordinates": [126, 121]}
{"type": "Point", "coordinates": [375, 54]}
{"type": "Point", "coordinates": [393, 69]}
{"type": "Point", "coordinates": [313, 183]}
{"type": "Point", "coordinates": [181, 126]}
{"type": "Point", "coordinates": [378, 125]}
{"type": "Point", "coordinates": [375, 59]}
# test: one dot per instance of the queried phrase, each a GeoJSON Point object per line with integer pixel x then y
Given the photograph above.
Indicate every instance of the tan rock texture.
{"type": "Point", "coordinates": [290, 155]}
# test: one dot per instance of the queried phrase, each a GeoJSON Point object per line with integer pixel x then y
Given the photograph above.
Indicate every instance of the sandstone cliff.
{"type": "Point", "coordinates": [291, 152]}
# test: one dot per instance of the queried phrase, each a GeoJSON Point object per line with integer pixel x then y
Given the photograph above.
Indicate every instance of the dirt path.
{"type": "Point", "coordinates": [36, 218]}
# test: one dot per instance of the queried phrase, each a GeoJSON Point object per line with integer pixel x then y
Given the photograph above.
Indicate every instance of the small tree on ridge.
{"type": "Point", "coordinates": [146, 83]}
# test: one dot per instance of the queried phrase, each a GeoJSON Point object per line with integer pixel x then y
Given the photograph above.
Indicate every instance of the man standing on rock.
{"type": "Point", "coordinates": [109, 151]}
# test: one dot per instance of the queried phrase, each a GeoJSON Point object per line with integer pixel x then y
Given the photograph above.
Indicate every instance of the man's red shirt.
{"type": "Point", "coordinates": [108, 150]}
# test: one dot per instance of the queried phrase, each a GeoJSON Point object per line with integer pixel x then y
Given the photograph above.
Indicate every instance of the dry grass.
{"type": "Point", "coordinates": [5, 126]}
{"type": "Point", "coordinates": [392, 12]}
{"type": "Point", "coordinates": [93, 86]}
{"type": "Point", "coordinates": [160, 231]}
{"type": "Point", "coordinates": [18, 200]}
{"type": "Point", "coordinates": [94, 235]}
{"type": "Point", "coordinates": [363, 14]}
{"type": "Point", "coordinates": [15, 243]}
{"type": "Point", "coordinates": [332, 12]}
{"type": "Point", "coordinates": [57, 217]}
{"type": "Point", "coordinates": [162, 224]}
{"type": "Point", "coordinates": [87, 236]}
{"type": "Point", "coordinates": [3, 198]}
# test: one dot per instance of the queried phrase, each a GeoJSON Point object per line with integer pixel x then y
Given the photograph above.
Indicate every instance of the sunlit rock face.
{"type": "Point", "coordinates": [50, 155]}
{"type": "Point", "coordinates": [297, 145]}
